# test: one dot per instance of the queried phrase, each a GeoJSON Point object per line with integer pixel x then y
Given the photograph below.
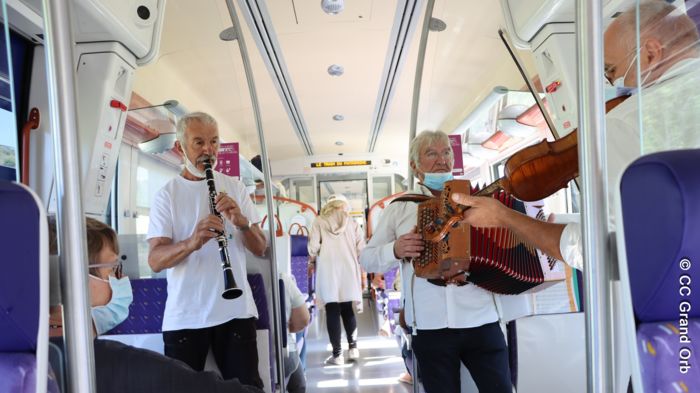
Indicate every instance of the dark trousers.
{"type": "Point", "coordinates": [481, 349]}
{"type": "Point", "coordinates": [334, 313]}
{"type": "Point", "coordinates": [233, 343]}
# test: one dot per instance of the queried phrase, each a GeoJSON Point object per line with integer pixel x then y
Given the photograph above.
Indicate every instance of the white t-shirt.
{"type": "Point", "coordinates": [195, 284]}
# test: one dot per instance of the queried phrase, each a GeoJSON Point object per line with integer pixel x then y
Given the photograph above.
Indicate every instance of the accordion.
{"type": "Point", "coordinates": [492, 258]}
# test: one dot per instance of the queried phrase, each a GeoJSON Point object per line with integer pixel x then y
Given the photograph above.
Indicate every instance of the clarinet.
{"type": "Point", "coordinates": [231, 290]}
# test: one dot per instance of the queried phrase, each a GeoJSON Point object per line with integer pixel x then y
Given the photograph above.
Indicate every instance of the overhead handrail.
{"type": "Point", "coordinates": [31, 124]}
{"type": "Point", "coordinates": [304, 206]}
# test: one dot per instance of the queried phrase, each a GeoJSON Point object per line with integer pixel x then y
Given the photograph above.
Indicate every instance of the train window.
{"type": "Point", "coordinates": [381, 187]}
{"type": "Point", "coordinates": [8, 138]}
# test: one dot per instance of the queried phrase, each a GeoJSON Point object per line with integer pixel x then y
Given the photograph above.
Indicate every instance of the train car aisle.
{"type": "Point", "coordinates": [377, 370]}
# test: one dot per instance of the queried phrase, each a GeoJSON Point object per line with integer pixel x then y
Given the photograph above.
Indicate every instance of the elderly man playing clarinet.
{"type": "Point", "coordinates": [180, 235]}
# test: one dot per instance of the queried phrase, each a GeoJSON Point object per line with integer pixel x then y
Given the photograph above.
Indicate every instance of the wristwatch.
{"type": "Point", "coordinates": [246, 226]}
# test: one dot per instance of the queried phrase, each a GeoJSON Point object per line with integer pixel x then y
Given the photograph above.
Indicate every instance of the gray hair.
{"type": "Point", "coordinates": [658, 19]}
{"type": "Point", "coordinates": [426, 138]}
{"type": "Point", "coordinates": [184, 122]}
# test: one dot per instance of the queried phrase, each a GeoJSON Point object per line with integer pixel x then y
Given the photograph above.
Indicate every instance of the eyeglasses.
{"type": "Point", "coordinates": [116, 267]}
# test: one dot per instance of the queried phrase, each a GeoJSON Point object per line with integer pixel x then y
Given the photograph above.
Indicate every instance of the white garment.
{"type": "Point", "coordinates": [293, 298]}
{"type": "Point", "coordinates": [336, 243]}
{"type": "Point", "coordinates": [436, 307]}
{"type": "Point", "coordinates": [670, 115]}
{"type": "Point", "coordinates": [195, 284]}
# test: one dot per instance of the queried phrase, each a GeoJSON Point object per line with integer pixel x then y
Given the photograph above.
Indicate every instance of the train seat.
{"type": "Point", "coordinates": [660, 228]}
{"type": "Point", "coordinates": [299, 261]}
{"type": "Point", "coordinates": [24, 292]}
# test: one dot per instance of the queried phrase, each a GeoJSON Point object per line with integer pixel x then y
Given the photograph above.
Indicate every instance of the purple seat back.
{"type": "Point", "coordinates": [19, 281]}
{"type": "Point", "coordinates": [146, 311]}
{"type": "Point", "coordinates": [299, 261]}
{"type": "Point", "coordinates": [661, 214]}
{"type": "Point", "coordinates": [150, 294]}
{"type": "Point", "coordinates": [300, 274]}
{"type": "Point", "coordinates": [298, 245]}
{"type": "Point", "coordinates": [257, 285]}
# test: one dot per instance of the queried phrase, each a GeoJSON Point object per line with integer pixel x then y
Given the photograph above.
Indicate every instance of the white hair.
{"type": "Point", "coordinates": [427, 138]}
{"type": "Point", "coordinates": [658, 19]}
{"type": "Point", "coordinates": [184, 122]}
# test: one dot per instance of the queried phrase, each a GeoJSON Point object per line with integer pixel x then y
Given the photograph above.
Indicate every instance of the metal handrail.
{"type": "Point", "coordinates": [276, 305]}
{"type": "Point", "coordinates": [591, 111]}
{"type": "Point", "coordinates": [63, 119]}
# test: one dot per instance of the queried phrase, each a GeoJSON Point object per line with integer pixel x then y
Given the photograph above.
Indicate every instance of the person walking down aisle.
{"type": "Point", "coordinates": [335, 242]}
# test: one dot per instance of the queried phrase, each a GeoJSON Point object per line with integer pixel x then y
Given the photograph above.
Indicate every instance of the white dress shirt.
{"type": "Point", "coordinates": [435, 307]}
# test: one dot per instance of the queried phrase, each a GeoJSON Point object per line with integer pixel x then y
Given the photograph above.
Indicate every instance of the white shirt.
{"type": "Point", "coordinates": [293, 298]}
{"type": "Point", "coordinates": [670, 115]}
{"type": "Point", "coordinates": [435, 307]}
{"type": "Point", "coordinates": [195, 284]}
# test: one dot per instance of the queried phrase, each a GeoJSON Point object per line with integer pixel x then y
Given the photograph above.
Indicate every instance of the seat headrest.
{"type": "Point", "coordinates": [299, 243]}
{"type": "Point", "coordinates": [660, 196]}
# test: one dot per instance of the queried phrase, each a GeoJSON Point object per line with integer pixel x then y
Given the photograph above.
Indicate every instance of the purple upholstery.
{"type": "Point", "coordinates": [18, 372]}
{"type": "Point", "coordinates": [299, 272]}
{"type": "Point", "coordinates": [257, 285]}
{"type": "Point", "coordinates": [660, 351]}
{"type": "Point", "coordinates": [298, 245]}
{"type": "Point", "coordinates": [150, 294]}
{"type": "Point", "coordinates": [661, 214]}
{"type": "Point", "coordinates": [146, 311]}
{"type": "Point", "coordinates": [389, 278]}
{"type": "Point", "coordinates": [19, 282]}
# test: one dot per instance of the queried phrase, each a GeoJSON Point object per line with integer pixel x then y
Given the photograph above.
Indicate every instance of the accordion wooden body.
{"type": "Point", "coordinates": [492, 258]}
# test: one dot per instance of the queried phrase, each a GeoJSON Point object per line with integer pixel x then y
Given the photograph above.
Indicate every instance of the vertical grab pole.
{"type": "Point", "coordinates": [274, 280]}
{"type": "Point", "coordinates": [589, 34]}
{"type": "Point", "coordinates": [417, 81]}
{"type": "Point", "coordinates": [60, 73]}
{"type": "Point", "coordinates": [415, 104]}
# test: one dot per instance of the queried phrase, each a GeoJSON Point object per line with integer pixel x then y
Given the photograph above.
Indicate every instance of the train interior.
{"type": "Point", "coordinates": [314, 99]}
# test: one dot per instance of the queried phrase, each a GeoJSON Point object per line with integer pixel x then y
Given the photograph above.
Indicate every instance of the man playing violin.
{"type": "Point", "coordinates": [670, 76]}
{"type": "Point", "coordinates": [180, 234]}
{"type": "Point", "coordinates": [669, 60]}
{"type": "Point", "coordinates": [453, 323]}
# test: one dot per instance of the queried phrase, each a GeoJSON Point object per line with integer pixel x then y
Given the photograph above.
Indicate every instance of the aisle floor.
{"type": "Point", "coordinates": [377, 370]}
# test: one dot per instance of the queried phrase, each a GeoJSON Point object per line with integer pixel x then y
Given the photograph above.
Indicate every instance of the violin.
{"type": "Point", "coordinates": [540, 170]}
{"type": "Point", "coordinates": [532, 173]}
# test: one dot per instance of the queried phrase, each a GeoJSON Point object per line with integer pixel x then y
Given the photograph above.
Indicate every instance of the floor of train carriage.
{"type": "Point", "coordinates": [377, 370]}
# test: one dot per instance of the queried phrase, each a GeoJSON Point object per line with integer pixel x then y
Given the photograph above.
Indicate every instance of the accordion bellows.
{"type": "Point", "coordinates": [492, 258]}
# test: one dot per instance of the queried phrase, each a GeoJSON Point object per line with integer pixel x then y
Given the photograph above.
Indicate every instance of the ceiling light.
{"type": "Point", "coordinates": [339, 143]}
{"type": "Point", "coordinates": [332, 7]}
{"type": "Point", "coordinates": [335, 70]}
{"type": "Point", "coordinates": [338, 117]}
{"type": "Point", "coordinates": [437, 25]}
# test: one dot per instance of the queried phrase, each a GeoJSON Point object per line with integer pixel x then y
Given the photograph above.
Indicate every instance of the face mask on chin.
{"type": "Point", "coordinates": [436, 180]}
{"type": "Point", "coordinates": [191, 168]}
{"type": "Point", "coordinates": [107, 317]}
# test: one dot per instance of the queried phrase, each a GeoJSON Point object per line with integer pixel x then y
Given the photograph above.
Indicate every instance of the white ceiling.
{"type": "Point", "coordinates": [462, 65]}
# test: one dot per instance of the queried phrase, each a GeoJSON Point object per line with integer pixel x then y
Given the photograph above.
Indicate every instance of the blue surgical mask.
{"type": "Point", "coordinates": [436, 180]}
{"type": "Point", "coordinates": [107, 317]}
